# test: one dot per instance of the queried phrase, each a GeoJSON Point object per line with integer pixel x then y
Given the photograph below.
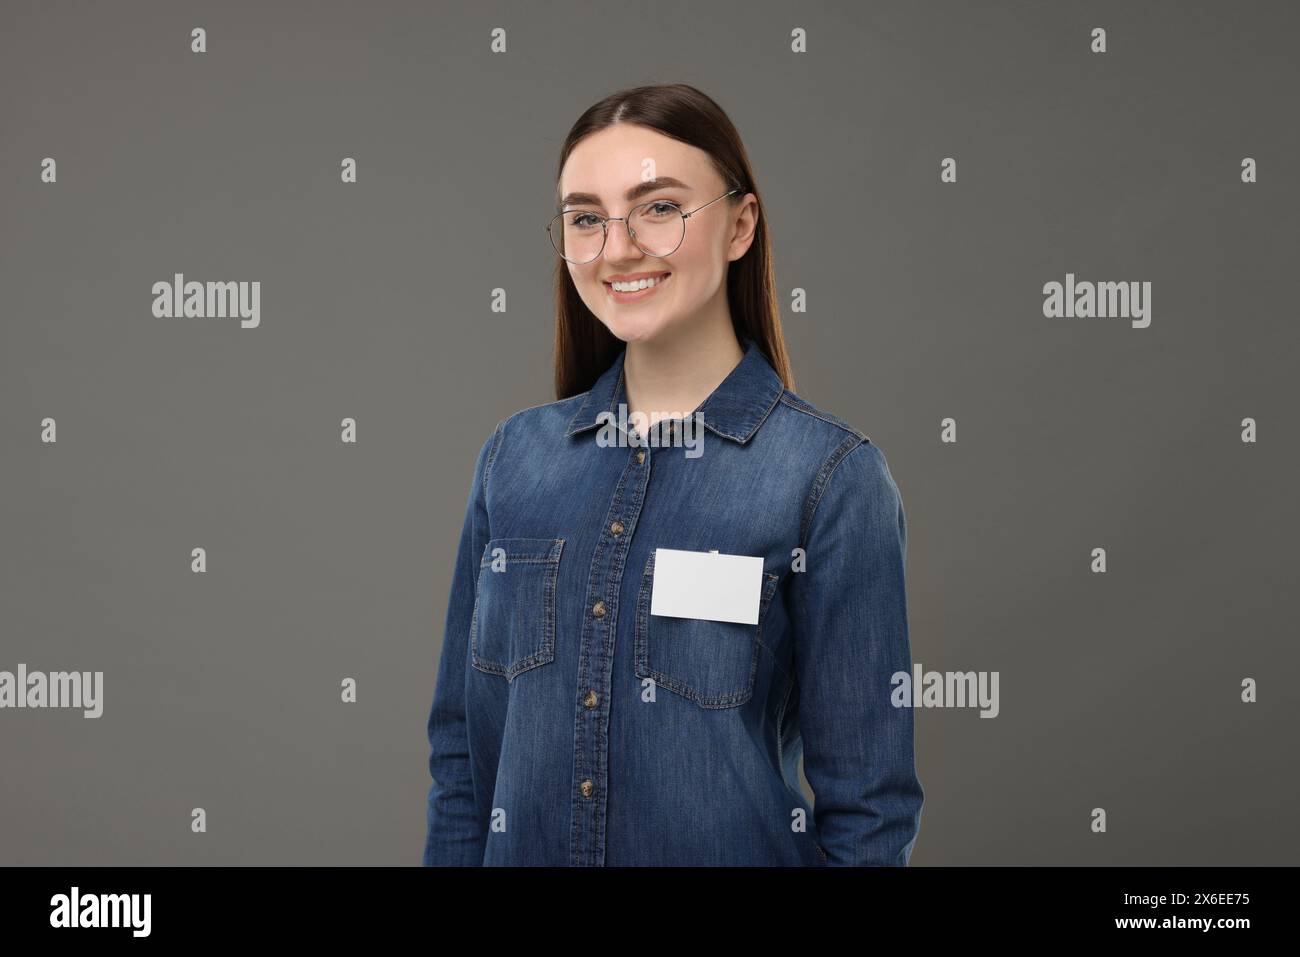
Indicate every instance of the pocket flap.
{"type": "Point", "coordinates": [521, 550]}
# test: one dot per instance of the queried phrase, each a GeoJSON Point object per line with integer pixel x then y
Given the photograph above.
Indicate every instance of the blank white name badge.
{"type": "Point", "coordinates": [707, 585]}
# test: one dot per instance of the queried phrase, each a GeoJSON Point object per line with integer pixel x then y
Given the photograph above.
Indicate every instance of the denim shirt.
{"type": "Point", "coordinates": [570, 726]}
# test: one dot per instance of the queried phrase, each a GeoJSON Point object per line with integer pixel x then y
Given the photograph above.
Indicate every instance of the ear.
{"type": "Point", "coordinates": [744, 227]}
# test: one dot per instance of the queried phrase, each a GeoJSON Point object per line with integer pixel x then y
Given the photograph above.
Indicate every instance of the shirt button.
{"type": "Point", "coordinates": [640, 458]}
{"type": "Point", "coordinates": [590, 700]}
{"type": "Point", "coordinates": [616, 528]}
{"type": "Point", "coordinates": [598, 609]}
{"type": "Point", "coordinates": [588, 788]}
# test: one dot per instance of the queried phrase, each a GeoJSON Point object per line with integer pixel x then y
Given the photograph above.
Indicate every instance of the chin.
{"type": "Point", "coordinates": [634, 329]}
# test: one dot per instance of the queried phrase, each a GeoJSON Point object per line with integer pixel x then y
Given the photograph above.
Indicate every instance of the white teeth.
{"type": "Point", "coordinates": [639, 284]}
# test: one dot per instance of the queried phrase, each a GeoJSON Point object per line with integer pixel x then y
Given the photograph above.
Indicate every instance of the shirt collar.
{"type": "Point", "coordinates": [734, 410]}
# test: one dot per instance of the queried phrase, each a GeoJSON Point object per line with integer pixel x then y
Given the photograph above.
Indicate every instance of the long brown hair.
{"type": "Point", "coordinates": [584, 347]}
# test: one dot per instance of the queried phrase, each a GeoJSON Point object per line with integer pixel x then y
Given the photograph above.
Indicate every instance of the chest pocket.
{"type": "Point", "coordinates": [713, 663]}
{"type": "Point", "coordinates": [513, 628]}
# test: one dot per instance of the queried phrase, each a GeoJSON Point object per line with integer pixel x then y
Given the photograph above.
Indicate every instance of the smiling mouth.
{"type": "Point", "coordinates": [658, 277]}
{"type": "Point", "coordinates": [634, 294]}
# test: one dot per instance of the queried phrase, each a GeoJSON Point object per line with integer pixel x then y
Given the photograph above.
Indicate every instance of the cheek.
{"type": "Point", "coordinates": [700, 256]}
{"type": "Point", "coordinates": [694, 270]}
{"type": "Point", "coordinates": [587, 283]}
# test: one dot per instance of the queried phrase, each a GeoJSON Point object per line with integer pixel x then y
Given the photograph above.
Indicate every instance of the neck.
{"type": "Point", "coordinates": [672, 375]}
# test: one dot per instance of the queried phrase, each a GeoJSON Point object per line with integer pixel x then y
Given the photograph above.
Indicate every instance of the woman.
{"type": "Point", "coordinates": [611, 691]}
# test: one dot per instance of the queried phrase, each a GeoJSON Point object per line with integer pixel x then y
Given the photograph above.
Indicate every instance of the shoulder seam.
{"type": "Point", "coordinates": [823, 479]}
{"type": "Point", "coordinates": [544, 405]}
{"type": "Point", "coordinates": [802, 405]}
{"type": "Point", "coordinates": [497, 434]}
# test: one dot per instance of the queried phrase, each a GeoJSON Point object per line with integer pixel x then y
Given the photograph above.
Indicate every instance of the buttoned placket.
{"type": "Point", "coordinates": [596, 658]}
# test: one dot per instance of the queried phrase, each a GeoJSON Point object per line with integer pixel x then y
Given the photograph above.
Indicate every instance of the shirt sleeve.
{"type": "Point", "coordinates": [456, 836]}
{"type": "Point", "coordinates": [850, 614]}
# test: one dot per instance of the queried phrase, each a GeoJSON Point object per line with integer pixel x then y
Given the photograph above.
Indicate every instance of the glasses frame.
{"type": "Point", "coordinates": [606, 220]}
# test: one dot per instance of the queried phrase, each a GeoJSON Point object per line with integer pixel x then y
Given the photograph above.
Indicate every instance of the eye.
{"type": "Point", "coordinates": [583, 220]}
{"type": "Point", "coordinates": [661, 208]}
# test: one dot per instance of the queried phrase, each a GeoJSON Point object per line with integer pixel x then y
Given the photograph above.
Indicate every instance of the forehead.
{"type": "Point", "coordinates": [607, 162]}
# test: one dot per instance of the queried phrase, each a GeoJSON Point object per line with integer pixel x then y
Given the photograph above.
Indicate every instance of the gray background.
{"type": "Point", "coordinates": [326, 560]}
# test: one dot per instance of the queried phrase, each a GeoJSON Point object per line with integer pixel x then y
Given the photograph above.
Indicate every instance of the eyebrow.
{"type": "Point", "coordinates": [636, 192]}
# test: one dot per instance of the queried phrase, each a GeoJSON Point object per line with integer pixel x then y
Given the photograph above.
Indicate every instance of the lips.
{"type": "Point", "coordinates": [636, 276]}
{"type": "Point", "coordinates": [638, 295]}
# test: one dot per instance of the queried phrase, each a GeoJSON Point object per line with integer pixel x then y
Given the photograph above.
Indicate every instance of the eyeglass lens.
{"type": "Point", "coordinates": [579, 235]}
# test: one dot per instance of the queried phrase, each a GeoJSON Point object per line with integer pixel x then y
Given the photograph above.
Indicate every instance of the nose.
{"type": "Point", "coordinates": [618, 243]}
